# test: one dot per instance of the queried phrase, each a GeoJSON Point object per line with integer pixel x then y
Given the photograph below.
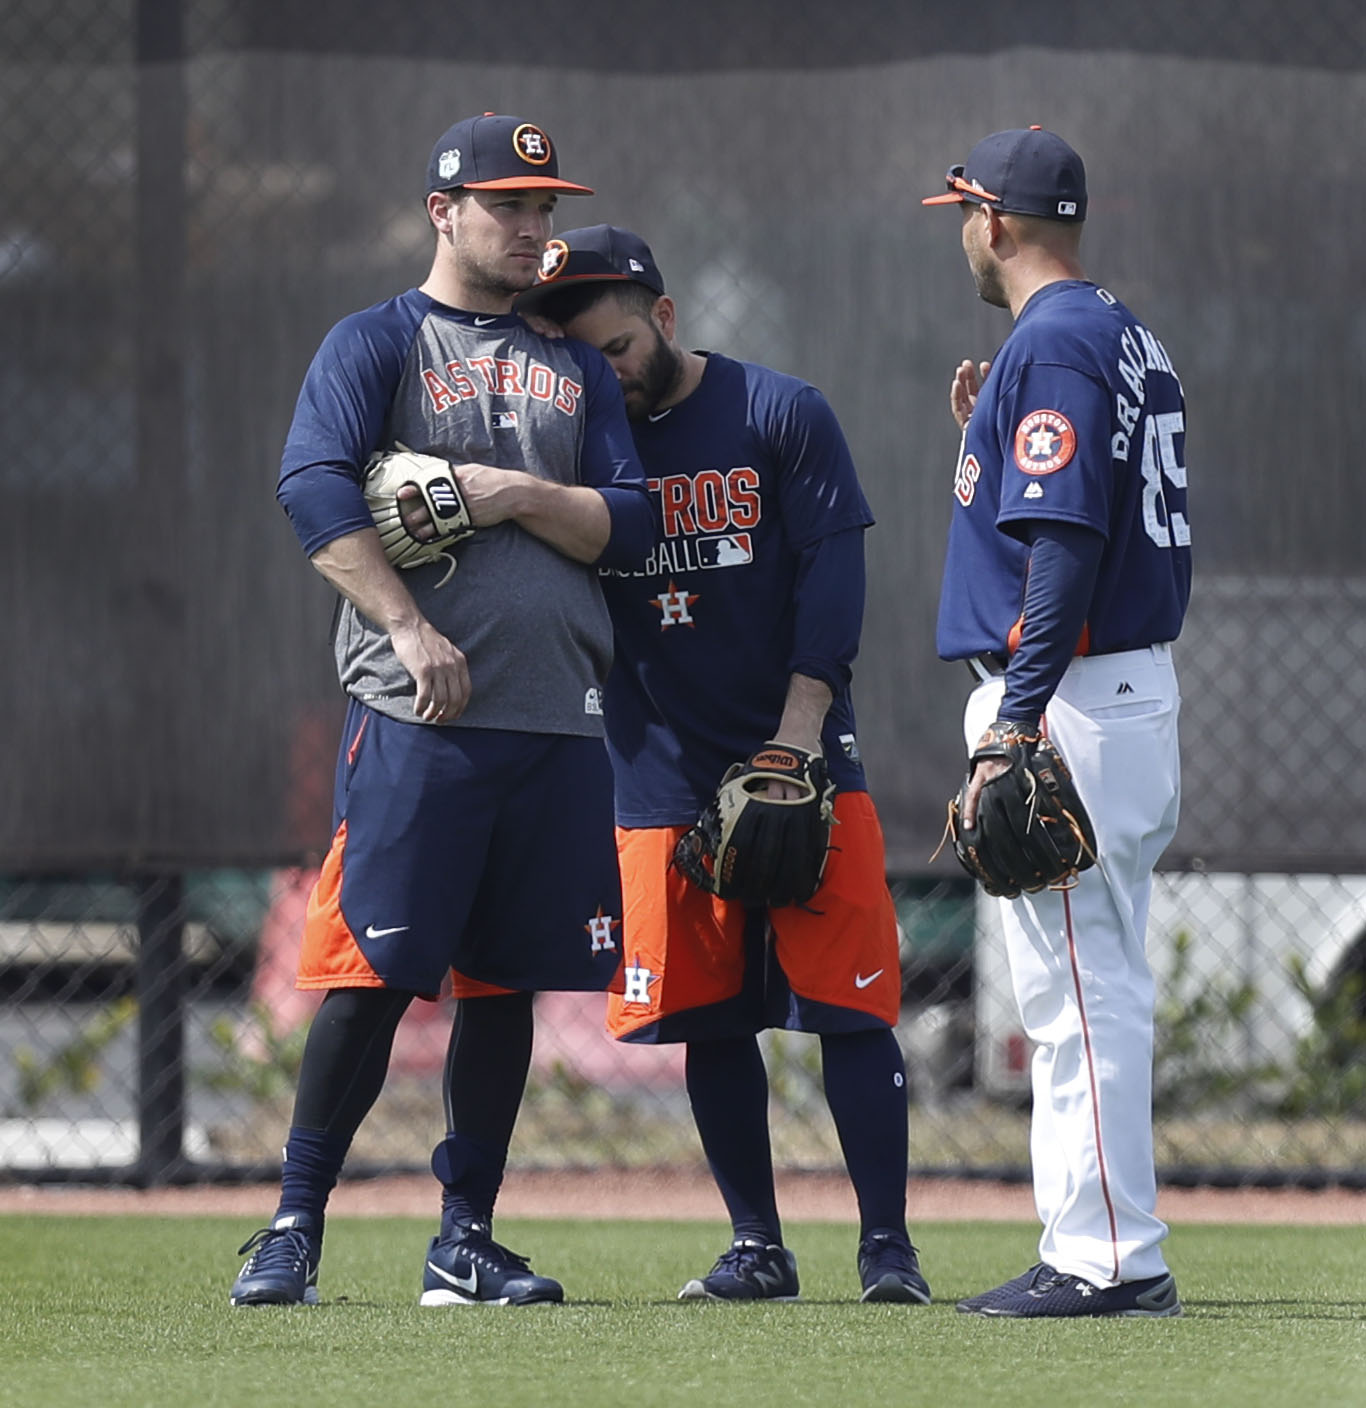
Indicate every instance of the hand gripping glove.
{"type": "Point", "coordinates": [756, 849]}
{"type": "Point", "coordinates": [1031, 829]}
{"type": "Point", "coordinates": [386, 473]}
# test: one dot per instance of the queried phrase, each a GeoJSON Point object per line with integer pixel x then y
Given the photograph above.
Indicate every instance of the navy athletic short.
{"type": "Point", "coordinates": [482, 850]}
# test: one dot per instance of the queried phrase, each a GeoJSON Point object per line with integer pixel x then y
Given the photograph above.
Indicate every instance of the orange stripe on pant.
{"type": "Point", "coordinates": [685, 948]}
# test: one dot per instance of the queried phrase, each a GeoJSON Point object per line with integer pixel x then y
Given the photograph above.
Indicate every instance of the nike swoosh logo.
{"type": "Point", "coordinates": [484, 322]}
{"type": "Point", "coordinates": [861, 982]}
{"type": "Point", "coordinates": [468, 1283]}
{"type": "Point", "coordinates": [372, 933]}
{"type": "Point", "coordinates": [658, 416]}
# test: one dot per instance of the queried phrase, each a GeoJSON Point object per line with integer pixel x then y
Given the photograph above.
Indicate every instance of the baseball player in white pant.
{"type": "Point", "coordinates": [1067, 577]}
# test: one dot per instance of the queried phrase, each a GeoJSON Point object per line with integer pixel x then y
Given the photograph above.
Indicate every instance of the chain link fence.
{"type": "Point", "coordinates": [191, 193]}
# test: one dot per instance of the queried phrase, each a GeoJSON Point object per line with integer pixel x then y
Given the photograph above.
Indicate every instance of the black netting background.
{"type": "Point", "coordinates": [191, 194]}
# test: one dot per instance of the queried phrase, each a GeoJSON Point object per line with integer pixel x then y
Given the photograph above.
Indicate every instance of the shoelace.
{"type": "Point", "coordinates": [478, 1245]}
{"type": "Point", "coordinates": [878, 1245]}
{"type": "Point", "coordinates": [276, 1249]}
{"type": "Point", "coordinates": [734, 1258]}
{"type": "Point", "coordinates": [1045, 1278]}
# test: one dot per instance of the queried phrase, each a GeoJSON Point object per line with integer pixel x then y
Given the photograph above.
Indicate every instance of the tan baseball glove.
{"type": "Point", "coordinates": [387, 472]}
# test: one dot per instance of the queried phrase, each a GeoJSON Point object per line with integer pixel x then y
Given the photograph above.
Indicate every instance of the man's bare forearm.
{"type": "Point", "coordinates": [808, 701]}
{"type": "Point", "coordinates": [572, 518]}
{"type": "Point", "coordinates": [356, 566]}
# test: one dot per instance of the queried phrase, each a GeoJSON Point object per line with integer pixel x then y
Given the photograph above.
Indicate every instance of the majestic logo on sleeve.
{"type": "Point", "coordinates": [1044, 442]}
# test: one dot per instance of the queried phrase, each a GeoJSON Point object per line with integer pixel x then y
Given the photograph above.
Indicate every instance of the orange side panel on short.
{"type": "Point", "coordinates": [461, 986]}
{"type": "Point", "coordinates": [700, 962]}
{"type": "Point", "coordinates": [685, 948]}
{"type": "Point", "coordinates": [330, 957]}
{"type": "Point", "coordinates": [848, 954]}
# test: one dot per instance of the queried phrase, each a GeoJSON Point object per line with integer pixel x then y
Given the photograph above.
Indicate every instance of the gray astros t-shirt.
{"type": "Point", "coordinates": [478, 389]}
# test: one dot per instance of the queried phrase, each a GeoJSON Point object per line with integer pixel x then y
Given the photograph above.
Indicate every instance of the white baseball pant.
{"type": "Point", "coordinates": [1080, 973]}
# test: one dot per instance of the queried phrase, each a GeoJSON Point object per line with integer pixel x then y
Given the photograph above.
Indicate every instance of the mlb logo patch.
{"type": "Point", "coordinates": [505, 420]}
{"type": "Point", "coordinates": [730, 550]}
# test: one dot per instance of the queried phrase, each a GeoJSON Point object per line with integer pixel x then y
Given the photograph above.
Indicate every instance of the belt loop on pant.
{"type": "Point", "coordinates": [986, 666]}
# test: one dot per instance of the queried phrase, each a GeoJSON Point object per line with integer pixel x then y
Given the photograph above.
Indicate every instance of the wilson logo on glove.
{"type": "Point", "coordinates": [777, 760]}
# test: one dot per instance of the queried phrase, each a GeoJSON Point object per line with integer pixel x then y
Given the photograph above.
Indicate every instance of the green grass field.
{"type": "Point", "coordinates": [134, 1311]}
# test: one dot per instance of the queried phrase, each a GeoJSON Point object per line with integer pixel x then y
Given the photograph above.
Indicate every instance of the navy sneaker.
{"type": "Point", "coordinates": [470, 1268]}
{"type": "Point", "coordinates": [1043, 1291]}
{"type": "Point", "coordinates": [973, 1304]}
{"type": "Point", "coordinates": [890, 1270]}
{"type": "Point", "coordinates": [749, 1269]}
{"type": "Point", "coordinates": [282, 1268]}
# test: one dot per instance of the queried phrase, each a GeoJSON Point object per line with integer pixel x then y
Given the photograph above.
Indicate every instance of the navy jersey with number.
{"type": "Point", "coordinates": [748, 470]}
{"type": "Point", "coordinates": [1081, 420]}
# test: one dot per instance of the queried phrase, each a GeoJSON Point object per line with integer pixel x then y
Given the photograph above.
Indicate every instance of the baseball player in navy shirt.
{"type": "Point", "coordinates": [740, 628]}
{"type": "Point", "coordinates": [1066, 580]}
{"type": "Point", "coordinates": [472, 755]}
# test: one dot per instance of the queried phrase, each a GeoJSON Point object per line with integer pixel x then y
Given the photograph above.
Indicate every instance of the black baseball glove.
{"type": "Point", "coordinates": [756, 849]}
{"type": "Point", "coordinates": [1031, 829]}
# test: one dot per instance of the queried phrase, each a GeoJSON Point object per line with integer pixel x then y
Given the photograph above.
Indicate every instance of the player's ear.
{"type": "Point", "coordinates": [441, 209]}
{"type": "Point", "coordinates": [665, 314]}
{"type": "Point", "coordinates": [994, 225]}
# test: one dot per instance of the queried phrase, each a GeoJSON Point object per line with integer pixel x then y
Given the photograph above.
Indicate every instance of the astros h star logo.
{"type": "Point", "coordinates": [674, 606]}
{"type": "Point", "coordinates": [638, 981]}
{"type": "Point", "coordinates": [599, 929]}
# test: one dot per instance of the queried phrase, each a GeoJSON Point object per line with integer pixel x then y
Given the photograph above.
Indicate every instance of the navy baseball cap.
{"type": "Point", "coordinates": [493, 152]}
{"type": "Point", "coordinates": [595, 254]}
{"type": "Point", "coordinates": [1025, 171]}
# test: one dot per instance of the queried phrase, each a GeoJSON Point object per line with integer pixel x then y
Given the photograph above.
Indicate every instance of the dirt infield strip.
{"type": "Point", "coordinates": [615, 1193]}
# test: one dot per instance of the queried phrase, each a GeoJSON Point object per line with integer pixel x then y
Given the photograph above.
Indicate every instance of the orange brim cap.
{"type": "Point", "coordinates": [528, 183]}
